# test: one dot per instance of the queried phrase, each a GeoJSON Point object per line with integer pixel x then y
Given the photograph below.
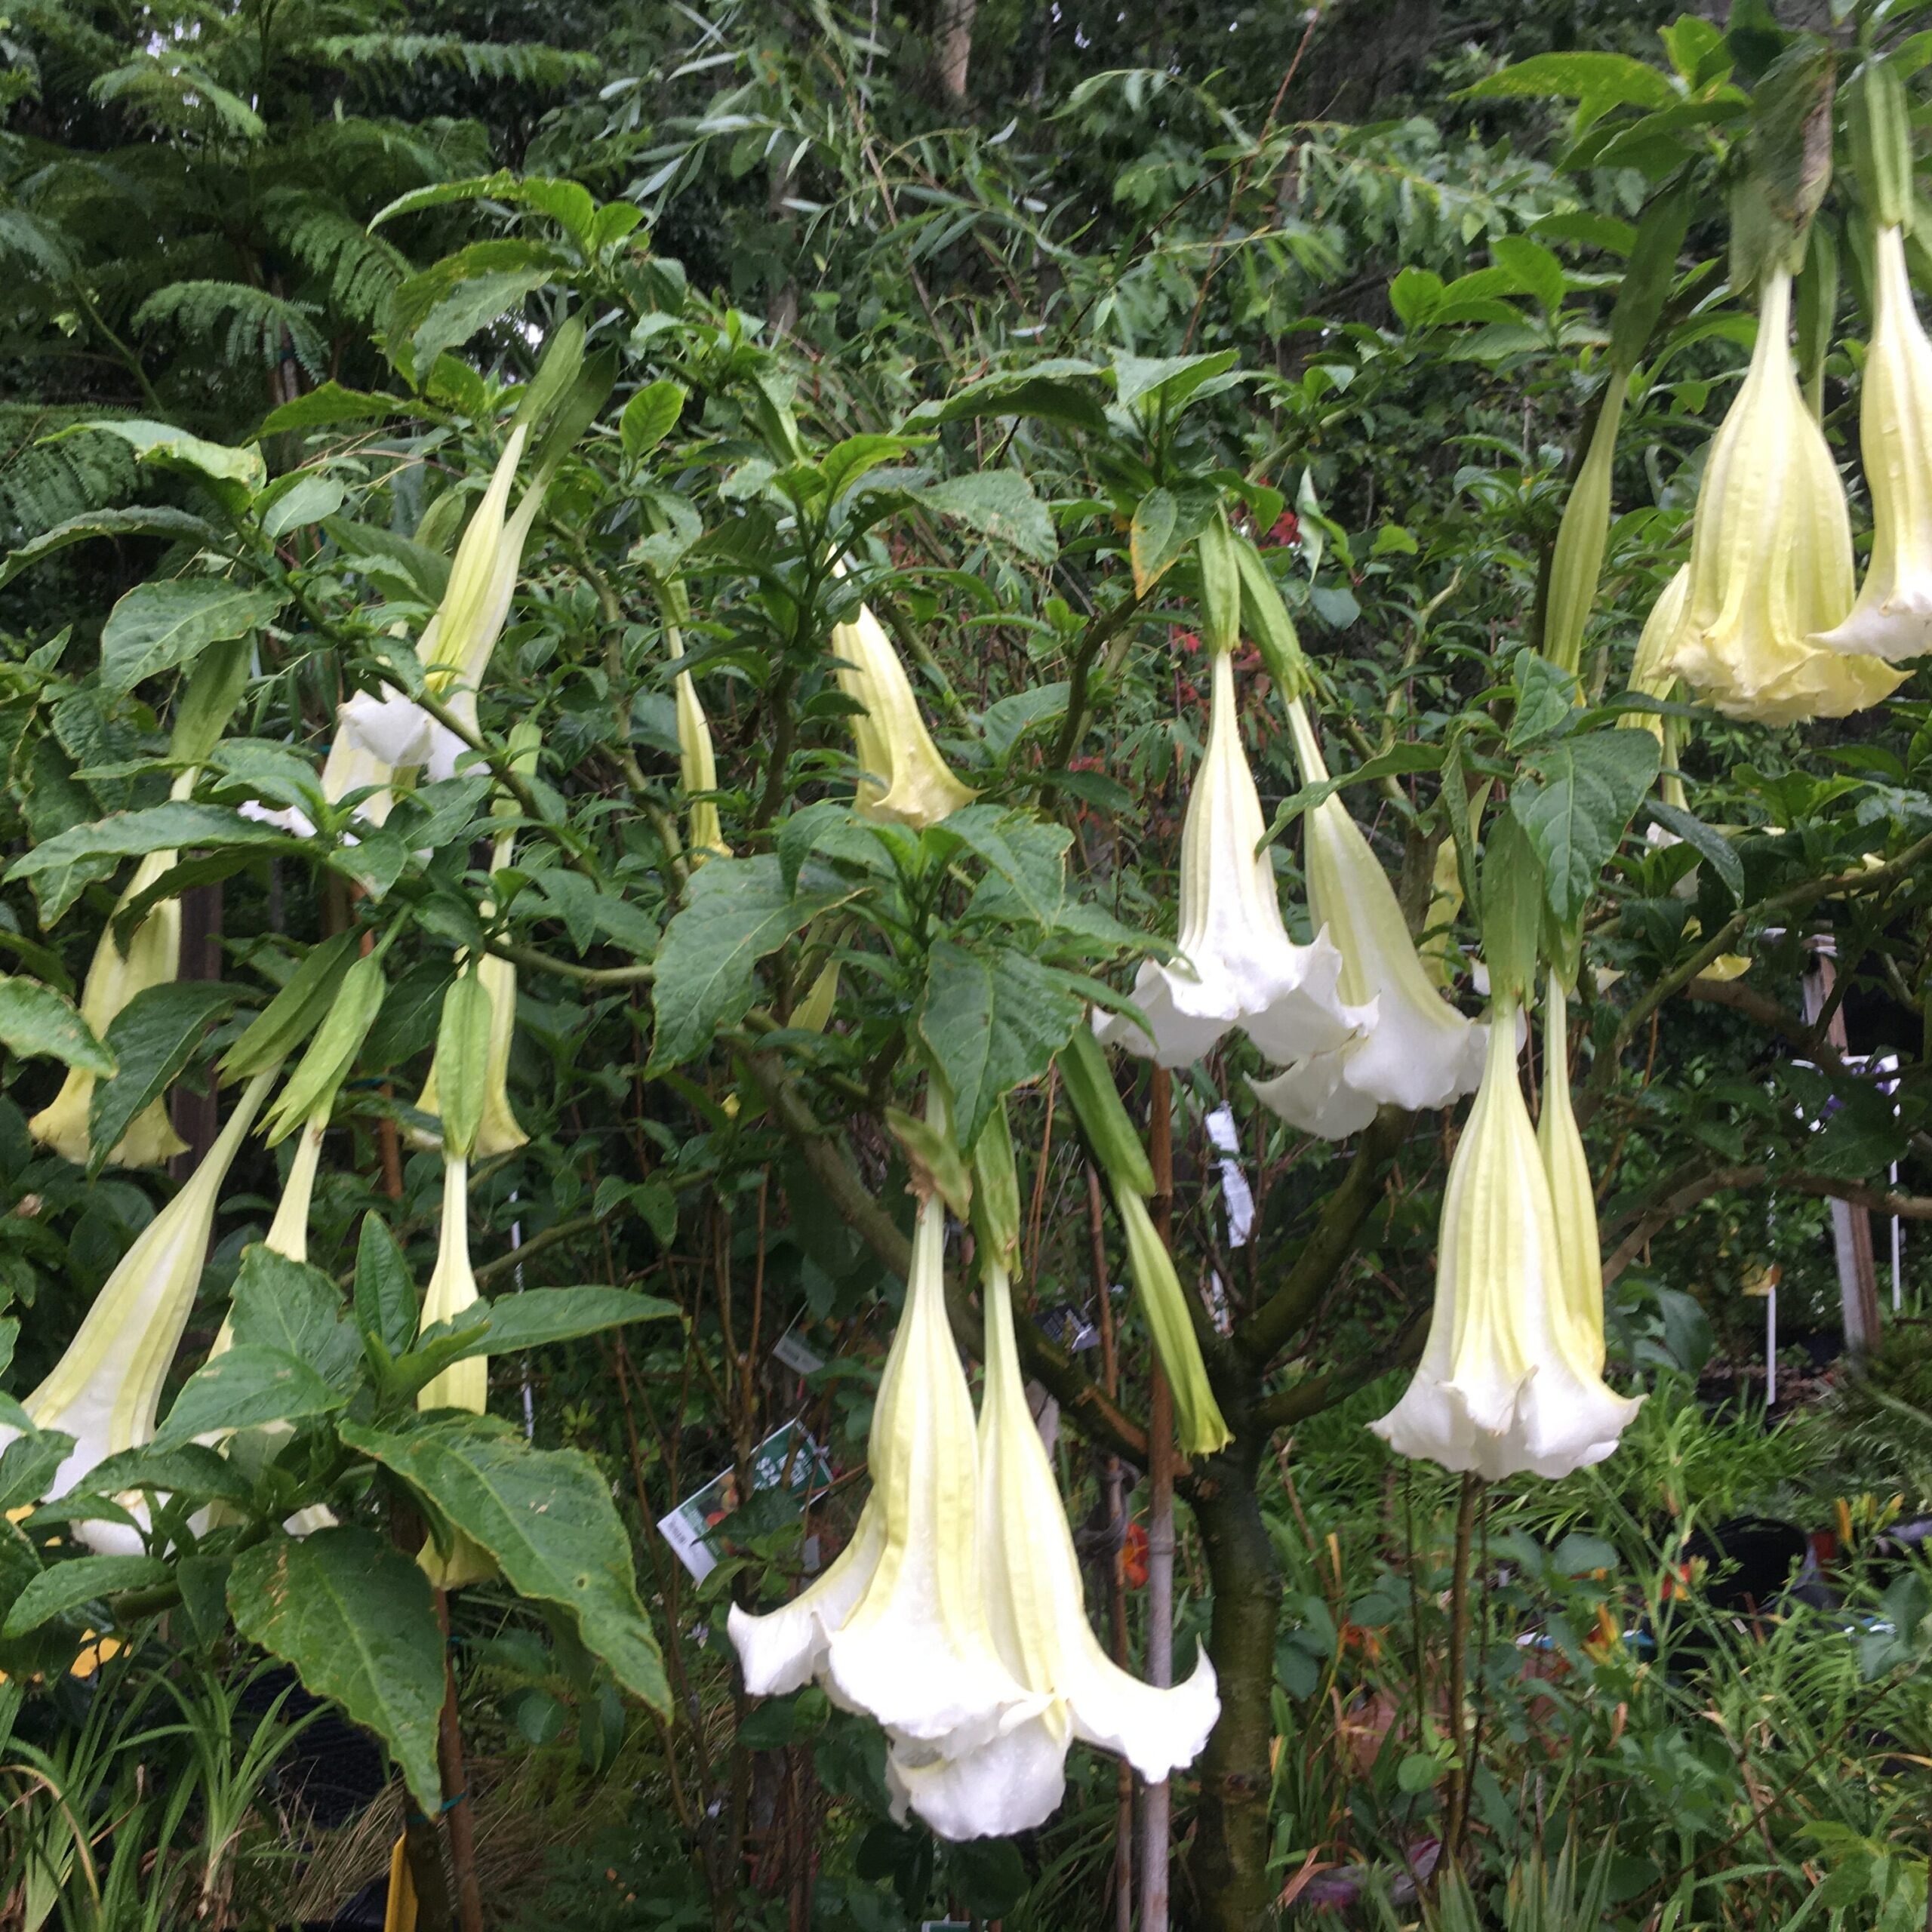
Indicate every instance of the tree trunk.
{"type": "Point", "coordinates": [1228, 1865]}
{"type": "Point", "coordinates": [953, 48]}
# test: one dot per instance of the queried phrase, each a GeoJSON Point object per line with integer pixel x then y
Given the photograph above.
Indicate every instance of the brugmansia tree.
{"type": "Point", "coordinates": [610, 672]}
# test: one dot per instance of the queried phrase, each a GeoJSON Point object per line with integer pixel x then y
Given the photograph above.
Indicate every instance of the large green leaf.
{"type": "Point", "coordinates": [60, 867]}
{"type": "Point", "coordinates": [249, 1385]}
{"type": "Point", "coordinates": [546, 1516]}
{"type": "Point", "coordinates": [192, 1470]}
{"type": "Point", "coordinates": [358, 1620]}
{"type": "Point", "coordinates": [178, 449]}
{"type": "Point", "coordinates": [152, 1039]}
{"type": "Point", "coordinates": [738, 911]}
{"type": "Point", "coordinates": [1577, 814]}
{"type": "Point", "coordinates": [287, 1305]}
{"type": "Point", "coordinates": [34, 1020]}
{"type": "Point", "coordinates": [540, 1316]}
{"type": "Point", "coordinates": [153, 520]}
{"type": "Point", "coordinates": [993, 1017]}
{"type": "Point", "coordinates": [472, 305]}
{"type": "Point", "coordinates": [385, 1302]}
{"type": "Point", "coordinates": [83, 1580]}
{"type": "Point", "coordinates": [1001, 504]}
{"type": "Point", "coordinates": [159, 625]}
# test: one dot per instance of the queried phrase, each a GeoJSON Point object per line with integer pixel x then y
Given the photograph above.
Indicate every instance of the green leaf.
{"type": "Point", "coordinates": [538, 1317]}
{"type": "Point", "coordinates": [565, 202]}
{"type": "Point", "coordinates": [37, 1022]}
{"type": "Point", "coordinates": [61, 866]}
{"type": "Point", "coordinates": [1050, 399]}
{"type": "Point", "coordinates": [329, 405]}
{"type": "Point", "coordinates": [159, 625]}
{"type": "Point", "coordinates": [309, 499]}
{"type": "Point", "coordinates": [385, 1303]}
{"type": "Point", "coordinates": [249, 1385]}
{"type": "Point", "coordinates": [84, 1579]}
{"type": "Point", "coordinates": [282, 1304]}
{"type": "Point", "coordinates": [155, 521]}
{"type": "Point", "coordinates": [1546, 699]}
{"type": "Point", "coordinates": [1166, 381]}
{"type": "Point", "coordinates": [546, 1516]}
{"type": "Point", "coordinates": [1710, 843]}
{"type": "Point", "coordinates": [1000, 504]}
{"type": "Point", "coordinates": [993, 1018]}
{"type": "Point", "coordinates": [1532, 268]}
{"type": "Point", "coordinates": [649, 416]}
{"type": "Point", "coordinates": [192, 1470]}
{"type": "Point", "coordinates": [176, 449]}
{"type": "Point", "coordinates": [1599, 81]}
{"type": "Point", "coordinates": [472, 305]}
{"type": "Point", "coordinates": [1576, 816]}
{"type": "Point", "coordinates": [1414, 295]}
{"type": "Point", "coordinates": [1165, 524]}
{"type": "Point", "coordinates": [27, 1466]}
{"type": "Point", "coordinates": [1030, 856]}
{"type": "Point", "coordinates": [358, 1620]}
{"type": "Point", "coordinates": [736, 913]}
{"type": "Point", "coordinates": [152, 1038]}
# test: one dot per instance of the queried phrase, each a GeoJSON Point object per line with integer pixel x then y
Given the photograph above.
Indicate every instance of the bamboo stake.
{"type": "Point", "coordinates": [1110, 1484]}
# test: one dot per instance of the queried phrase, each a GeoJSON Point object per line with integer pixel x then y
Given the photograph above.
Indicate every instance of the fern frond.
{"type": "Point", "coordinates": [42, 484]}
{"type": "Point", "coordinates": [260, 328]}
{"type": "Point", "coordinates": [23, 238]}
{"type": "Point", "coordinates": [527, 63]}
{"type": "Point", "coordinates": [359, 271]}
{"type": "Point", "coordinates": [177, 97]}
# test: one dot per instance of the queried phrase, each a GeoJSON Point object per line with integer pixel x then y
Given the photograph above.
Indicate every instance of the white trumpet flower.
{"type": "Point", "coordinates": [1893, 617]}
{"type": "Point", "coordinates": [153, 959]}
{"type": "Point", "coordinates": [897, 1626]}
{"type": "Point", "coordinates": [1238, 967]}
{"type": "Point", "coordinates": [1035, 1605]}
{"type": "Point", "coordinates": [1770, 554]}
{"type": "Point", "coordinates": [106, 1389]}
{"type": "Point", "coordinates": [463, 1385]}
{"type": "Point", "coordinates": [902, 776]}
{"type": "Point", "coordinates": [1413, 1049]}
{"type": "Point", "coordinates": [1509, 1381]}
{"type": "Point", "coordinates": [1578, 1239]}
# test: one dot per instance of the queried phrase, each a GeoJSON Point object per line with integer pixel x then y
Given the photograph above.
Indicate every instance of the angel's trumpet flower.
{"type": "Point", "coordinates": [1507, 1382]}
{"type": "Point", "coordinates": [1770, 554]}
{"type": "Point", "coordinates": [1238, 967]}
{"type": "Point", "coordinates": [153, 959]}
{"type": "Point", "coordinates": [463, 1385]}
{"type": "Point", "coordinates": [902, 776]}
{"type": "Point", "coordinates": [697, 761]}
{"type": "Point", "coordinates": [105, 1391]}
{"type": "Point", "coordinates": [897, 1626]}
{"type": "Point", "coordinates": [1653, 674]}
{"type": "Point", "coordinates": [1893, 617]}
{"type": "Point", "coordinates": [497, 1130]}
{"type": "Point", "coordinates": [1576, 563]}
{"type": "Point", "coordinates": [1579, 1249]}
{"type": "Point", "coordinates": [1035, 1605]}
{"type": "Point", "coordinates": [378, 738]}
{"type": "Point", "coordinates": [1412, 1049]}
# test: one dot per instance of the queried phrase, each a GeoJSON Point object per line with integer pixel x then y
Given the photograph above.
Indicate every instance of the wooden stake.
{"type": "Point", "coordinates": [459, 1814]}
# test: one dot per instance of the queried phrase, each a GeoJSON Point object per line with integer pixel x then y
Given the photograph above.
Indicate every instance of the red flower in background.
{"type": "Point", "coordinates": [1287, 530]}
